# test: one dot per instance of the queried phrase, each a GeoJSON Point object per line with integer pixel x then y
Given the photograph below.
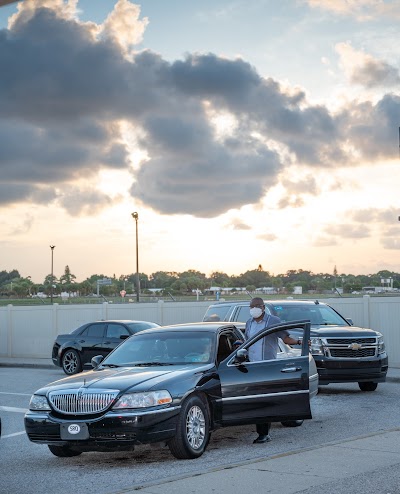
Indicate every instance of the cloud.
{"type": "Point", "coordinates": [268, 237]}
{"type": "Point", "coordinates": [68, 88]}
{"type": "Point", "coordinates": [294, 193]}
{"type": "Point", "coordinates": [124, 26]}
{"type": "Point", "coordinates": [362, 10]}
{"type": "Point", "coordinates": [365, 70]}
{"type": "Point", "coordinates": [237, 224]}
{"type": "Point", "coordinates": [348, 230]}
{"type": "Point", "coordinates": [84, 201]}
{"type": "Point", "coordinates": [23, 227]}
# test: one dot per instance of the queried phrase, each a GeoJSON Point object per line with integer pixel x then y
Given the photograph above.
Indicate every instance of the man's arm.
{"type": "Point", "coordinates": [292, 341]}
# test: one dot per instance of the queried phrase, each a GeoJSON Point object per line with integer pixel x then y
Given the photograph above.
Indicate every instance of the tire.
{"type": "Point", "coordinates": [192, 430]}
{"type": "Point", "coordinates": [71, 362]}
{"type": "Point", "coordinates": [63, 451]}
{"type": "Point", "coordinates": [292, 423]}
{"type": "Point", "coordinates": [368, 386]}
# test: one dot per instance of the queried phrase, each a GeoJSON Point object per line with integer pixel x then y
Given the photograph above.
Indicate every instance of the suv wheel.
{"type": "Point", "coordinates": [368, 386]}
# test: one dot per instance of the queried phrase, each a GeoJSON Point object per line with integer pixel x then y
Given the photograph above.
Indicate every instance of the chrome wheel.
{"type": "Point", "coordinates": [192, 429]}
{"type": "Point", "coordinates": [195, 427]}
{"type": "Point", "coordinates": [71, 362]}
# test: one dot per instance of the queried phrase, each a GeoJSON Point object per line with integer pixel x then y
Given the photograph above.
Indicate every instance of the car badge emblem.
{"type": "Point", "coordinates": [355, 346]}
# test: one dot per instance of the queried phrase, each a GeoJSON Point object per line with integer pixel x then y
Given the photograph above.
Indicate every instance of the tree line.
{"type": "Point", "coordinates": [12, 284]}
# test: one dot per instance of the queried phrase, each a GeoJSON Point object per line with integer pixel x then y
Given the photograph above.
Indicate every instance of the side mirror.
{"type": "Point", "coordinates": [350, 321]}
{"type": "Point", "coordinates": [96, 361]}
{"type": "Point", "coordinates": [241, 356]}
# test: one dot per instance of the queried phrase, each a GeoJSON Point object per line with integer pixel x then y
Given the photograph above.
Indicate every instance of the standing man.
{"type": "Point", "coordinates": [265, 349]}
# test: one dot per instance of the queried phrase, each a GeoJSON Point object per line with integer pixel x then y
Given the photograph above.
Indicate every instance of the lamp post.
{"type": "Point", "coordinates": [51, 286]}
{"type": "Point", "coordinates": [135, 216]}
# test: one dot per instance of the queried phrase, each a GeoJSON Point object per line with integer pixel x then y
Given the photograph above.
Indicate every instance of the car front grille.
{"type": "Point", "coordinates": [349, 341]}
{"type": "Point", "coordinates": [345, 353]}
{"type": "Point", "coordinates": [82, 401]}
{"type": "Point", "coordinates": [351, 347]}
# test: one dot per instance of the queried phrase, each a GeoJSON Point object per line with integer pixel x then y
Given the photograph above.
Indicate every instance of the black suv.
{"type": "Point", "coordinates": [342, 352]}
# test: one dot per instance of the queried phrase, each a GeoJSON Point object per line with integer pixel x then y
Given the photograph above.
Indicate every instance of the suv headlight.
{"type": "Point", "coordinates": [39, 402]}
{"type": "Point", "coordinates": [316, 346]}
{"type": "Point", "coordinates": [143, 400]}
{"type": "Point", "coordinates": [381, 343]}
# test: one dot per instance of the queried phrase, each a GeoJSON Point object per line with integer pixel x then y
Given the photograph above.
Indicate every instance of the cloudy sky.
{"type": "Point", "coordinates": [243, 132]}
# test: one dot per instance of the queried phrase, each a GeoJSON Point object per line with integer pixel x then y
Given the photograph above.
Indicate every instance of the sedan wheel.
{"type": "Point", "coordinates": [368, 386]}
{"type": "Point", "coordinates": [71, 362]}
{"type": "Point", "coordinates": [63, 451]}
{"type": "Point", "coordinates": [192, 432]}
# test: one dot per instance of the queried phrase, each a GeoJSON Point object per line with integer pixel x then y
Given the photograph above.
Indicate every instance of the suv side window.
{"type": "Point", "coordinates": [242, 313]}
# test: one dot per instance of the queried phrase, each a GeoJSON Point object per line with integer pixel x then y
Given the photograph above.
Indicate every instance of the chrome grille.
{"type": "Point", "coordinates": [82, 401]}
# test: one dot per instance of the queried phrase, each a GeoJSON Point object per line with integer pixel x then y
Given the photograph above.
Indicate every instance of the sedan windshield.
{"type": "Point", "coordinates": [164, 348]}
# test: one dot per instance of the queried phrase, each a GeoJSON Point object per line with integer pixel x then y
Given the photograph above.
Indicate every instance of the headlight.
{"type": "Point", "coordinates": [381, 343]}
{"type": "Point", "coordinates": [39, 402]}
{"type": "Point", "coordinates": [143, 400]}
{"type": "Point", "coordinates": [316, 346]}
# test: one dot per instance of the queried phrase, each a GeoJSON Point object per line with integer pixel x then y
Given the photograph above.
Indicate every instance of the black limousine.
{"type": "Point", "coordinates": [174, 385]}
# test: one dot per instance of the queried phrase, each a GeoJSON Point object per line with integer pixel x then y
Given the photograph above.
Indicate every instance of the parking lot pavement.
{"type": "Point", "coordinates": [320, 469]}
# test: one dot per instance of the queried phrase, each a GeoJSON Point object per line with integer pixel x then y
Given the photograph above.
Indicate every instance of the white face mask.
{"type": "Point", "coordinates": [255, 312]}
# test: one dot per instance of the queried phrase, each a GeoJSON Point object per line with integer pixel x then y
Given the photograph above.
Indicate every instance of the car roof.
{"type": "Point", "coordinates": [271, 301]}
{"type": "Point", "coordinates": [211, 327]}
{"type": "Point", "coordinates": [121, 321]}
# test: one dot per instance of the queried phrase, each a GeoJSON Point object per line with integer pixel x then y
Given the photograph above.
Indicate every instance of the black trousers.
{"type": "Point", "coordinates": [263, 429]}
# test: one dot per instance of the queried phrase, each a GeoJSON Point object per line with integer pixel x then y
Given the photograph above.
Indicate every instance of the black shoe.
{"type": "Point", "coordinates": [262, 438]}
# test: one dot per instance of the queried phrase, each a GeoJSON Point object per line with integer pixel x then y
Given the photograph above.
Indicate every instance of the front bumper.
{"type": "Point", "coordinates": [112, 431]}
{"type": "Point", "coordinates": [351, 370]}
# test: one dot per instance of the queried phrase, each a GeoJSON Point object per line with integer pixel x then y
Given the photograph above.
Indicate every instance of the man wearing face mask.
{"type": "Point", "coordinates": [265, 348]}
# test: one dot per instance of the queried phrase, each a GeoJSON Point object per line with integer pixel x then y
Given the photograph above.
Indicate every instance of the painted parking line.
{"type": "Point", "coordinates": [12, 435]}
{"type": "Point", "coordinates": [13, 409]}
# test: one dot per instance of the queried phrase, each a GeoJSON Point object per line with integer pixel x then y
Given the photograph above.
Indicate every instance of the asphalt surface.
{"type": "Point", "coordinates": [361, 464]}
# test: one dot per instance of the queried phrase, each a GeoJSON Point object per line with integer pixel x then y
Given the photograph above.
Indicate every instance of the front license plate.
{"type": "Point", "coordinates": [74, 431]}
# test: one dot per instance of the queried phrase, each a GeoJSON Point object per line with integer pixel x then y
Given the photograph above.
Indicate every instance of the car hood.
{"type": "Point", "coordinates": [123, 378]}
{"type": "Point", "coordinates": [342, 332]}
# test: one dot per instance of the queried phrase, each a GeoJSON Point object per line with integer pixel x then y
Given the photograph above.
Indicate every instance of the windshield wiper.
{"type": "Point", "coordinates": [148, 364]}
{"type": "Point", "coordinates": [110, 365]}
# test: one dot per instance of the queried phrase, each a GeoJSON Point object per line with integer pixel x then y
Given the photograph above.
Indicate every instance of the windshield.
{"type": "Point", "coordinates": [215, 313]}
{"type": "Point", "coordinates": [164, 348]}
{"type": "Point", "coordinates": [318, 315]}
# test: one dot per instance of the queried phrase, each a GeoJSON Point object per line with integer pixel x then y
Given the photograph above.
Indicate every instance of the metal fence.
{"type": "Point", "coordinates": [29, 331]}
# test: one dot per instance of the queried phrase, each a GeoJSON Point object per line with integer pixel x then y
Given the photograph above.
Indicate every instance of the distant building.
{"type": "Point", "coordinates": [297, 290]}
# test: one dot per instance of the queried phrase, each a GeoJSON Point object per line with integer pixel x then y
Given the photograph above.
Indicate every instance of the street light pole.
{"type": "Point", "coordinates": [135, 216]}
{"type": "Point", "coordinates": [51, 286]}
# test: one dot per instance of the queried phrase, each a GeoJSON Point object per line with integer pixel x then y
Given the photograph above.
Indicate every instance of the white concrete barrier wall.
{"type": "Point", "coordinates": [30, 331]}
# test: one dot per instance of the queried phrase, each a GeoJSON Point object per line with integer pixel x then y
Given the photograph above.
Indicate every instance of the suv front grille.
{"type": "Point", "coordinates": [345, 353]}
{"type": "Point", "coordinates": [82, 401]}
{"type": "Point", "coordinates": [351, 347]}
{"type": "Point", "coordinates": [349, 341]}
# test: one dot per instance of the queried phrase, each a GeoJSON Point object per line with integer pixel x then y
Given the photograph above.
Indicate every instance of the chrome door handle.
{"type": "Point", "coordinates": [291, 369]}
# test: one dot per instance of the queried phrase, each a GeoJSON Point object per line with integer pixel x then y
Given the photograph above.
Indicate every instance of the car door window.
{"type": "Point", "coordinates": [116, 331]}
{"type": "Point", "coordinates": [272, 347]}
{"type": "Point", "coordinates": [94, 330]}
